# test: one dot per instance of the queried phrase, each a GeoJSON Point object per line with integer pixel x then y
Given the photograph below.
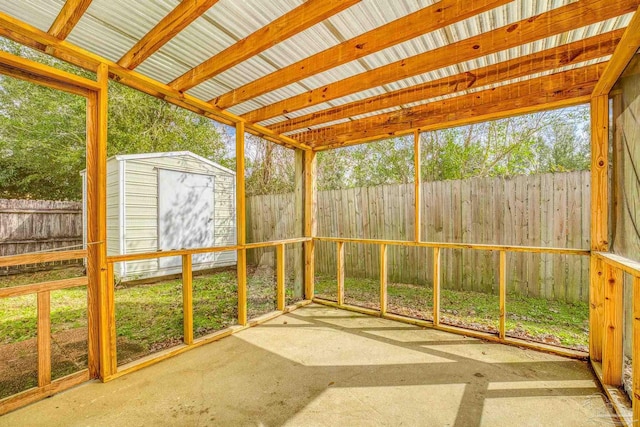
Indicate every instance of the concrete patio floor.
{"type": "Point", "coordinates": [325, 366]}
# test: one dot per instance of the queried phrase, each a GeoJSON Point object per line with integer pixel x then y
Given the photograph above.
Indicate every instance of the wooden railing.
{"type": "Point", "coordinates": [108, 350]}
{"type": "Point", "coordinates": [46, 386]}
{"type": "Point", "coordinates": [437, 247]}
{"type": "Point", "coordinates": [607, 345]}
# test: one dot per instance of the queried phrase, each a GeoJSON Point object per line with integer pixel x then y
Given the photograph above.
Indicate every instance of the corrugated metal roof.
{"type": "Point", "coordinates": [111, 27]}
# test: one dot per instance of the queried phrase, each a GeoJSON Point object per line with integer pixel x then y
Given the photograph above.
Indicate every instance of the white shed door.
{"type": "Point", "coordinates": [185, 214]}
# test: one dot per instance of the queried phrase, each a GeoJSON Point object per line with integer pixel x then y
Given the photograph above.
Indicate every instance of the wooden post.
{"type": "Point", "coordinates": [187, 299]}
{"type": "Point", "coordinates": [635, 396]}
{"type": "Point", "coordinates": [280, 269]}
{"type": "Point", "coordinates": [109, 301]}
{"type": "Point", "coordinates": [383, 278]}
{"type": "Point", "coordinates": [599, 220]}
{"type": "Point", "coordinates": [612, 342]}
{"type": "Point", "coordinates": [503, 293]}
{"type": "Point", "coordinates": [309, 221]}
{"type": "Point", "coordinates": [98, 321]}
{"type": "Point", "coordinates": [436, 286]}
{"type": "Point", "coordinates": [298, 252]}
{"type": "Point", "coordinates": [417, 187]}
{"type": "Point", "coordinates": [241, 225]}
{"type": "Point", "coordinates": [340, 270]}
{"type": "Point", "coordinates": [44, 338]}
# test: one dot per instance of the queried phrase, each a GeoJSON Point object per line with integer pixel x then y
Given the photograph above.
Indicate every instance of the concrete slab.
{"type": "Point", "coordinates": [322, 366]}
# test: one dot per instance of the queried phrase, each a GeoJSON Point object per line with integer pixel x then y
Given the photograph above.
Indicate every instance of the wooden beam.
{"type": "Point", "coordinates": [550, 59]}
{"type": "Point", "coordinates": [30, 36]}
{"type": "Point", "coordinates": [417, 188]}
{"type": "Point", "coordinates": [635, 358]}
{"type": "Point", "coordinates": [566, 18]}
{"type": "Point", "coordinates": [241, 231]}
{"type": "Point", "coordinates": [596, 308]}
{"type": "Point", "coordinates": [280, 277]}
{"type": "Point", "coordinates": [68, 17]}
{"type": "Point", "coordinates": [627, 47]}
{"type": "Point", "coordinates": [425, 20]}
{"type": "Point", "coordinates": [340, 272]}
{"type": "Point", "coordinates": [561, 89]}
{"type": "Point", "coordinates": [177, 20]}
{"type": "Point", "coordinates": [44, 338]}
{"type": "Point", "coordinates": [613, 327]}
{"type": "Point", "coordinates": [436, 286]}
{"type": "Point", "coordinates": [299, 19]}
{"type": "Point", "coordinates": [383, 278]}
{"type": "Point", "coordinates": [503, 295]}
{"type": "Point", "coordinates": [187, 299]}
{"type": "Point", "coordinates": [310, 224]}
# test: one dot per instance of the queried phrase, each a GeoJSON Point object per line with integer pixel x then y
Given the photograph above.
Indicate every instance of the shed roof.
{"type": "Point", "coordinates": [327, 72]}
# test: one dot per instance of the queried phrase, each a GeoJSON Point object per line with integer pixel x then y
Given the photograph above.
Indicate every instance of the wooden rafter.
{"type": "Point", "coordinates": [627, 47]}
{"type": "Point", "coordinates": [550, 59]}
{"type": "Point", "coordinates": [177, 20]}
{"type": "Point", "coordinates": [428, 19]}
{"type": "Point", "coordinates": [299, 19]}
{"type": "Point", "coordinates": [560, 89]}
{"type": "Point", "coordinates": [566, 18]}
{"type": "Point", "coordinates": [30, 36]}
{"type": "Point", "coordinates": [68, 17]}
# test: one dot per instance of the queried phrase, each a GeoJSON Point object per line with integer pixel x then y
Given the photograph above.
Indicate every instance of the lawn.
{"type": "Point", "coordinates": [552, 322]}
{"type": "Point", "coordinates": [148, 319]}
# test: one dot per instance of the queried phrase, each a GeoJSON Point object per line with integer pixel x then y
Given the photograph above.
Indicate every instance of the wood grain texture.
{"type": "Point", "coordinates": [280, 277]}
{"type": "Point", "coordinates": [568, 87]}
{"type": "Point", "coordinates": [625, 50]}
{"type": "Point", "coordinates": [310, 220]}
{"type": "Point", "coordinates": [44, 338]}
{"type": "Point", "coordinates": [612, 350]}
{"type": "Point", "coordinates": [383, 278]}
{"type": "Point", "coordinates": [340, 271]}
{"type": "Point", "coordinates": [177, 20]}
{"type": "Point", "coordinates": [550, 59]}
{"type": "Point", "coordinates": [241, 231]}
{"type": "Point", "coordinates": [68, 17]}
{"type": "Point", "coordinates": [503, 294]}
{"type": "Point", "coordinates": [635, 357]}
{"type": "Point", "coordinates": [187, 299]}
{"type": "Point", "coordinates": [425, 20]}
{"type": "Point", "coordinates": [291, 23]}
{"type": "Point", "coordinates": [562, 19]}
{"type": "Point", "coordinates": [436, 286]}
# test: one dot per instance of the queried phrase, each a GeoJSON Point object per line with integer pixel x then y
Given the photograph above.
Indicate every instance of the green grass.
{"type": "Point", "coordinates": [537, 319]}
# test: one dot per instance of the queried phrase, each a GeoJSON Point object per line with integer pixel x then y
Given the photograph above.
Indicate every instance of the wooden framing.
{"type": "Point", "coordinates": [502, 289]}
{"type": "Point", "coordinates": [310, 224]}
{"type": "Point", "coordinates": [436, 285]}
{"type": "Point", "coordinates": [340, 271]}
{"type": "Point", "coordinates": [417, 188]}
{"type": "Point", "coordinates": [613, 327]}
{"type": "Point", "coordinates": [177, 20]}
{"type": "Point", "coordinates": [187, 299]}
{"type": "Point", "coordinates": [561, 89]}
{"type": "Point", "coordinates": [570, 54]}
{"type": "Point", "coordinates": [241, 230]}
{"type": "Point", "coordinates": [280, 277]}
{"type": "Point", "coordinates": [636, 351]}
{"type": "Point", "coordinates": [383, 278]}
{"type": "Point", "coordinates": [68, 17]}
{"type": "Point", "coordinates": [566, 18]}
{"type": "Point", "coordinates": [299, 19]}
{"type": "Point", "coordinates": [431, 18]}
{"type": "Point", "coordinates": [44, 338]}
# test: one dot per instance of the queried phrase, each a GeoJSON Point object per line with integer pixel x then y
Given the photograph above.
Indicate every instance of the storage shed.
{"type": "Point", "coordinates": [164, 201]}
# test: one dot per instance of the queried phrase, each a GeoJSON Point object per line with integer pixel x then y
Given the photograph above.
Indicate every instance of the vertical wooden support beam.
{"type": "Point", "coordinates": [436, 286]}
{"type": "Point", "coordinates": [383, 278]}
{"type": "Point", "coordinates": [187, 299]}
{"type": "Point", "coordinates": [340, 270]}
{"type": "Point", "coordinates": [635, 397]}
{"type": "Point", "coordinates": [280, 269]}
{"type": "Point", "coordinates": [44, 338]}
{"type": "Point", "coordinates": [241, 225]}
{"type": "Point", "coordinates": [98, 322]}
{"type": "Point", "coordinates": [612, 342]}
{"type": "Point", "coordinates": [599, 220]}
{"type": "Point", "coordinates": [309, 221]}
{"type": "Point", "coordinates": [503, 294]}
{"type": "Point", "coordinates": [110, 328]}
{"type": "Point", "coordinates": [417, 187]}
{"type": "Point", "coordinates": [298, 251]}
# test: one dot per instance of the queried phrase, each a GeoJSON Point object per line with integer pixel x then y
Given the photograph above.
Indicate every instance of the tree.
{"type": "Point", "coordinates": [43, 132]}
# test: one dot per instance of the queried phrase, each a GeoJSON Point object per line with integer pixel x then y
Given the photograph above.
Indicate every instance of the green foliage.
{"type": "Point", "coordinates": [43, 132]}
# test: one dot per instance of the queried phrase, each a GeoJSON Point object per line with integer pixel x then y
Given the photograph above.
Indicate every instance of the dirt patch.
{"type": "Point", "coordinates": [19, 361]}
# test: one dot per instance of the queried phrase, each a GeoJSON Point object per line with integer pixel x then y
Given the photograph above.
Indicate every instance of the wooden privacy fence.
{"type": "Point", "coordinates": [546, 210]}
{"type": "Point", "coordinates": [28, 226]}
